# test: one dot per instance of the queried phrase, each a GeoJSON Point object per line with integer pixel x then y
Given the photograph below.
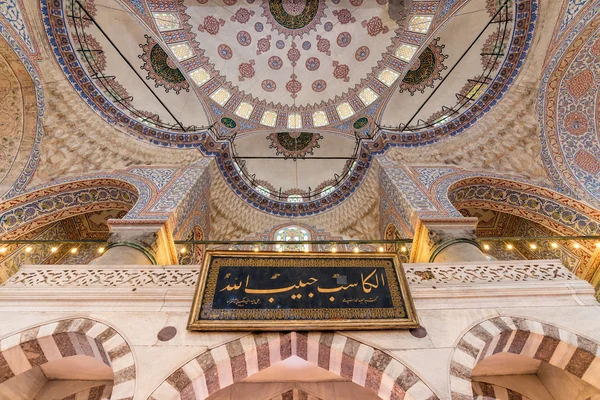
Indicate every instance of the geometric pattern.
{"type": "Point", "coordinates": [160, 177]}
{"type": "Point", "coordinates": [524, 25]}
{"type": "Point", "coordinates": [55, 20]}
{"type": "Point", "coordinates": [10, 10]}
{"type": "Point", "coordinates": [79, 336]}
{"type": "Point", "coordinates": [229, 363]}
{"type": "Point", "coordinates": [563, 349]}
{"type": "Point", "coordinates": [27, 171]}
{"type": "Point", "coordinates": [41, 207]}
{"type": "Point", "coordinates": [567, 110]}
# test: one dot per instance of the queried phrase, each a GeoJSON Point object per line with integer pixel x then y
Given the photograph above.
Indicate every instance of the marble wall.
{"type": "Point", "coordinates": [137, 317]}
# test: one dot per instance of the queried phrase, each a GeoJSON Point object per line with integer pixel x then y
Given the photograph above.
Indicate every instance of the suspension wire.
{"type": "Point", "coordinates": [491, 61]}
{"type": "Point", "coordinates": [90, 18]}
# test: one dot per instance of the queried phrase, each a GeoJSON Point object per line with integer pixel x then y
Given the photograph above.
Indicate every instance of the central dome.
{"type": "Point", "coordinates": [288, 55]}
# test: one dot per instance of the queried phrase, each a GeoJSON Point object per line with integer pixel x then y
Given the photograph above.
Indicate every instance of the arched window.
{"type": "Point", "coordinates": [294, 198]}
{"type": "Point", "coordinates": [291, 234]}
{"type": "Point", "coordinates": [263, 190]}
{"type": "Point", "coordinates": [327, 190]}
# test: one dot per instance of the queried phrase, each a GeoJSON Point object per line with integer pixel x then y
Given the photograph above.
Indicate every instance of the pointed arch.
{"type": "Point", "coordinates": [46, 204]}
{"type": "Point", "coordinates": [22, 351]}
{"type": "Point", "coordinates": [230, 363]}
{"type": "Point", "coordinates": [555, 211]}
{"type": "Point", "coordinates": [560, 348]}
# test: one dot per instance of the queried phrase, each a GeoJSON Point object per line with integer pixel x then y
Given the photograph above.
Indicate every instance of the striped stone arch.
{"type": "Point", "coordinates": [538, 340]}
{"type": "Point", "coordinates": [34, 347]}
{"type": "Point", "coordinates": [487, 391]}
{"type": "Point", "coordinates": [295, 394]}
{"type": "Point", "coordinates": [238, 359]}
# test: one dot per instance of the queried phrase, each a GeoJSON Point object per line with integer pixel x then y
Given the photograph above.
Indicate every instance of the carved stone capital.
{"type": "Point", "coordinates": [132, 241]}
{"type": "Point", "coordinates": [434, 238]}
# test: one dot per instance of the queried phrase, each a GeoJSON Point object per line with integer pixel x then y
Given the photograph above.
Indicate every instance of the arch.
{"type": "Point", "coordinates": [25, 102]}
{"type": "Point", "coordinates": [487, 391]}
{"type": "Point", "coordinates": [230, 363]}
{"type": "Point", "coordinates": [555, 211]}
{"type": "Point", "coordinates": [53, 341]}
{"type": "Point", "coordinates": [560, 348]}
{"type": "Point", "coordinates": [536, 203]}
{"type": "Point", "coordinates": [45, 204]}
{"type": "Point", "coordinates": [568, 105]}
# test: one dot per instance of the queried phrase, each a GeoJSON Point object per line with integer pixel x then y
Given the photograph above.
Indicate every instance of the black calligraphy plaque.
{"type": "Point", "coordinates": [301, 291]}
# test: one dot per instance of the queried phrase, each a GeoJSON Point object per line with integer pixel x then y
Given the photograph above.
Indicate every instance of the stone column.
{"type": "Point", "coordinates": [145, 235]}
{"type": "Point", "coordinates": [138, 243]}
{"type": "Point", "coordinates": [443, 240]}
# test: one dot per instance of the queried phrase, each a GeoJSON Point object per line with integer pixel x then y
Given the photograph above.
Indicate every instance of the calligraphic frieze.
{"type": "Point", "coordinates": [301, 291]}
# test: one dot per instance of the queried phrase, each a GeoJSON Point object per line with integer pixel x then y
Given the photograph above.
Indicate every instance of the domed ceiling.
{"type": "Point", "coordinates": [293, 97]}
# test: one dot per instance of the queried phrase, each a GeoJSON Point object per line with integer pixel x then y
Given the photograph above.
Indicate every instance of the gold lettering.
{"type": "Point", "coordinates": [229, 288]}
{"type": "Point", "coordinates": [279, 290]}
{"type": "Point", "coordinates": [368, 286]}
{"type": "Point", "coordinates": [337, 289]}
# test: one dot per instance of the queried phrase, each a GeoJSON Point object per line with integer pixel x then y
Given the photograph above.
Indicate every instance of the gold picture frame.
{"type": "Point", "coordinates": [397, 312]}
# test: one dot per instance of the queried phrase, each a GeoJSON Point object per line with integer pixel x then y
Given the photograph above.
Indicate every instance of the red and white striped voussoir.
{"type": "Point", "coordinates": [78, 336]}
{"type": "Point", "coordinates": [295, 394]}
{"type": "Point", "coordinates": [563, 349]}
{"type": "Point", "coordinates": [488, 391]}
{"type": "Point", "coordinates": [236, 360]}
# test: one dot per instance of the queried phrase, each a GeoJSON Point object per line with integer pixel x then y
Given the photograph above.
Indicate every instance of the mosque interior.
{"type": "Point", "coordinates": [159, 158]}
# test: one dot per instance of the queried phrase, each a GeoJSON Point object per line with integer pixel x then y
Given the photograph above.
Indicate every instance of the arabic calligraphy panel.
{"type": "Point", "coordinates": [292, 291]}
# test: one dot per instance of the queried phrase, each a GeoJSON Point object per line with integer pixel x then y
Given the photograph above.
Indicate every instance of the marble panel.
{"type": "Point", "coordinates": [431, 364]}
{"type": "Point", "coordinates": [445, 327]}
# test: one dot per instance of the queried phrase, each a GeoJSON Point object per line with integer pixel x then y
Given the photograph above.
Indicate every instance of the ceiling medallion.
{"type": "Point", "coordinates": [228, 123]}
{"type": "Point", "coordinates": [360, 123]}
{"type": "Point", "coordinates": [293, 17]}
{"type": "Point", "coordinates": [294, 144]}
{"type": "Point", "coordinates": [161, 68]}
{"type": "Point", "coordinates": [425, 70]}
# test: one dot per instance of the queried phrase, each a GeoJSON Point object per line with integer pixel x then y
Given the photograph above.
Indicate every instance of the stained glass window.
{"type": "Point", "coordinates": [291, 234]}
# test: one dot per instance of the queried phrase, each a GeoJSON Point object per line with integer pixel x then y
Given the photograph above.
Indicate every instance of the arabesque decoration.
{"type": "Point", "coordinates": [425, 70]}
{"type": "Point", "coordinates": [294, 144]}
{"type": "Point", "coordinates": [293, 18]}
{"type": "Point", "coordinates": [161, 68]}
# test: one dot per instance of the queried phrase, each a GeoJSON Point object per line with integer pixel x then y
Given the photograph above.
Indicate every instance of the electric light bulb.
{"type": "Point", "coordinates": [101, 250]}
{"type": "Point", "coordinates": [554, 245]}
{"type": "Point", "coordinates": [183, 250]}
{"type": "Point", "coordinates": [28, 249]}
{"type": "Point", "coordinates": [576, 245]}
{"type": "Point", "coordinates": [334, 249]}
{"type": "Point", "coordinates": [403, 249]}
{"type": "Point", "coordinates": [3, 250]}
{"type": "Point", "coordinates": [53, 250]}
{"type": "Point", "coordinates": [256, 249]}
{"type": "Point", "coordinates": [533, 246]}
{"type": "Point", "coordinates": [74, 250]}
{"type": "Point", "coordinates": [381, 249]}
{"type": "Point", "coordinates": [509, 246]}
{"type": "Point", "coordinates": [486, 246]}
{"type": "Point", "coordinates": [356, 250]}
